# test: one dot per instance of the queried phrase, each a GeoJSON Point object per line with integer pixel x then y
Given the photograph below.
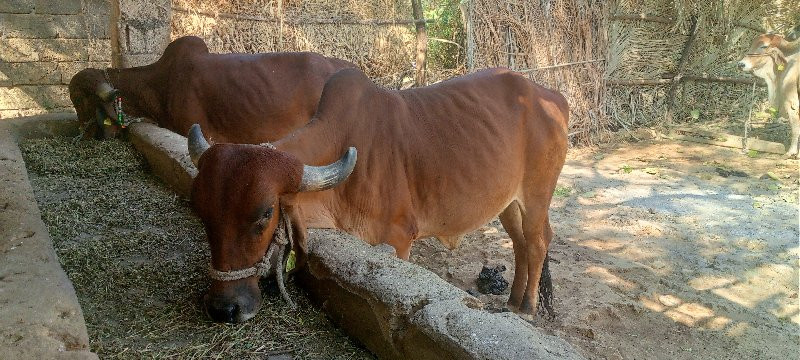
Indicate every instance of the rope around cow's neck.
{"type": "Point", "coordinates": [282, 238]}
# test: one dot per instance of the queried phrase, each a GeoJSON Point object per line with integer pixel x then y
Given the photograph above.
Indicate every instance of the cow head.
{"type": "Point", "coordinates": [238, 193]}
{"type": "Point", "coordinates": [93, 98]}
{"type": "Point", "coordinates": [764, 56]}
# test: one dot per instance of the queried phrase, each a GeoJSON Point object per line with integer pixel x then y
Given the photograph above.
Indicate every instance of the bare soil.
{"type": "Point", "coordinates": [663, 250]}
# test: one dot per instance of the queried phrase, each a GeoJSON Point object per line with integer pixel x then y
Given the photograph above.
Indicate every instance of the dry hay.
{"type": "Point", "coordinates": [530, 35]}
{"type": "Point", "coordinates": [652, 50]}
{"type": "Point", "coordinates": [138, 258]}
{"type": "Point", "coordinates": [384, 51]}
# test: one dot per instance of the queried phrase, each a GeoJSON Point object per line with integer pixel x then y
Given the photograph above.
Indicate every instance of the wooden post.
{"type": "Point", "coordinates": [679, 73]}
{"type": "Point", "coordinates": [422, 42]}
{"type": "Point", "coordinates": [466, 17]}
{"type": "Point", "coordinates": [113, 27]}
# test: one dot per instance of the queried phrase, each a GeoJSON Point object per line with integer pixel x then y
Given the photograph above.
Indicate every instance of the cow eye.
{"type": "Point", "coordinates": [262, 223]}
{"type": "Point", "coordinates": [764, 46]}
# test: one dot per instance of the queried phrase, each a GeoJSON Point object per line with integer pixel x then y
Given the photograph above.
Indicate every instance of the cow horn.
{"type": "Point", "coordinates": [105, 91]}
{"type": "Point", "coordinates": [318, 178]}
{"type": "Point", "coordinates": [197, 143]}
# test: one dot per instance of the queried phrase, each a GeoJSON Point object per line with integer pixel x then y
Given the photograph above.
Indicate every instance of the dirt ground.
{"type": "Point", "coordinates": [663, 250]}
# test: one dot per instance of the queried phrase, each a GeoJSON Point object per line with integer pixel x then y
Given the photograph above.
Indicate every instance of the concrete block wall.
{"type": "Point", "coordinates": [43, 43]}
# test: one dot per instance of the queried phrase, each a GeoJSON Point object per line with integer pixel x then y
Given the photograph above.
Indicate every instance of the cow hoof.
{"type": "Point", "coordinates": [790, 155]}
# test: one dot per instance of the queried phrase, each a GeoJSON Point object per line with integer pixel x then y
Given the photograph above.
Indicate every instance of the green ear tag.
{"type": "Point", "coordinates": [290, 261]}
{"type": "Point", "coordinates": [107, 122]}
{"type": "Point", "coordinates": [780, 67]}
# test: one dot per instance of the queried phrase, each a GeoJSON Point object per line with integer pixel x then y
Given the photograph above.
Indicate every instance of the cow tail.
{"type": "Point", "coordinates": [546, 290]}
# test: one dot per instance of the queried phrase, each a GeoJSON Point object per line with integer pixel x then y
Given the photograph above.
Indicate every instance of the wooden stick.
{"type": "Point", "coordinates": [303, 22]}
{"type": "Point", "coordinates": [723, 79]}
{"type": "Point", "coordinates": [630, 82]}
{"type": "Point", "coordinates": [732, 141]}
{"type": "Point", "coordinates": [466, 15]}
{"type": "Point", "coordinates": [422, 42]}
{"type": "Point", "coordinates": [687, 47]}
{"type": "Point", "coordinates": [560, 65]}
{"type": "Point", "coordinates": [755, 28]}
{"type": "Point", "coordinates": [643, 17]}
{"type": "Point", "coordinates": [700, 78]}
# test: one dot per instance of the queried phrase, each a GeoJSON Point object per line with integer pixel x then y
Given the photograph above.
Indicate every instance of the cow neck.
{"type": "Point", "coordinates": [141, 89]}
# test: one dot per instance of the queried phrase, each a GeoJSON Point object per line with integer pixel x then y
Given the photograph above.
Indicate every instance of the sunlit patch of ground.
{"type": "Point", "coordinates": [660, 256]}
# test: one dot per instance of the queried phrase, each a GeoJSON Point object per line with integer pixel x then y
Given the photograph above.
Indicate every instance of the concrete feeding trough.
{"type": "Point", "coordinates": [393, 307]}
{"type": "Point", "coordinates": [41, 315]}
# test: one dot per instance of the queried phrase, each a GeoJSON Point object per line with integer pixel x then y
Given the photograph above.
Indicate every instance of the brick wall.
{"type": "Point", "coordinates": [43, 43]}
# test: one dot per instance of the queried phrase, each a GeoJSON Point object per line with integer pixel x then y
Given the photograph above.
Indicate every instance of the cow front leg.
{"type": "Point", "coordinates": [794, 122]}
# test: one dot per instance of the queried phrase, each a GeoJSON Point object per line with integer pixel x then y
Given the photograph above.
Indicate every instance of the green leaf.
{"type": "Point", "coordinates": [291, 261]}
{"type": "Point", "coordinates": [562, 191]}
{"type": "Point", "coordinates": [695, 114]}
{"type": "Point", "coordinates": [626, 168]}
{"type": "Point", "coordinates": [773, 176]}
{"type": "Point", "coordinates": [752, 153]}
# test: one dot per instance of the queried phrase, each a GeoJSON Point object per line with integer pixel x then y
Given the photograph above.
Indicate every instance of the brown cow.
{"type": "Point", "coordinates": [777, 61]}
{"type": "Point", "coordinates": [435, 161]}
{"type": "Point", "coordinates": [245, 98]}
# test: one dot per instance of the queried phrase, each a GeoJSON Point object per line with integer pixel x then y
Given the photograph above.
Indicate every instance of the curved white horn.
{"type": "Point", "coordinates": [197, 143]}
{"type": "Point", "coordinates": [318, 178]}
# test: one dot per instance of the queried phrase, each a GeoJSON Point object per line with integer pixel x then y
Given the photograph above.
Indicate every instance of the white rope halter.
{"type": "Point", "coordinates": [280, 240]}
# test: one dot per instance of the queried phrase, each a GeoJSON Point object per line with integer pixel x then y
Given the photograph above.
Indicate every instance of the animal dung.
{"type": "Point", "coordinates": [491, 281]}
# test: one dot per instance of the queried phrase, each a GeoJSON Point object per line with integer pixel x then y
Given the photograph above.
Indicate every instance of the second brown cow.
{"type": "Point", "coordinates": [243, 98]}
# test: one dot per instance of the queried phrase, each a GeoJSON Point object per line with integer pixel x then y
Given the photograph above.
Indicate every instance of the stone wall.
{"type": "Point", "coordinates": [43, 43]}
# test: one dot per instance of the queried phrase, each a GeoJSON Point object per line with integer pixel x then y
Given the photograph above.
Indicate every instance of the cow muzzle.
{"type": "Point", "coordinates": [233, 302]}
{"type": "Point", "coordinates": [234, 295]}
{"type": "Point", "coordinates": [744, 65]}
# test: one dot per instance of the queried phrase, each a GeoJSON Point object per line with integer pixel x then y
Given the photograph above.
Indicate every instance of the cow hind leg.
{"type": "Point", "coordinates": [536, 230]}
{"type": "Point", "coordinates": [511, 218]}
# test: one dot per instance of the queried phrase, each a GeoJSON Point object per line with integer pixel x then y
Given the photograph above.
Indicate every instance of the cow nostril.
{"type": "Point", "coordinates": [224, 313]}
{"type": "Point", "coordinates": [740, 64]}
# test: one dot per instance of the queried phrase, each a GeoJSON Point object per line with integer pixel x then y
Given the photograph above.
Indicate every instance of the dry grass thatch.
{"type": "Point", "coordinates": [652, 50]}
{"type": "Point", "coordinates": [537, 36]}
{"type": "Point", "coordinates": [578, 33]}
{"type": "Point", "coordinates": [352, 30]}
